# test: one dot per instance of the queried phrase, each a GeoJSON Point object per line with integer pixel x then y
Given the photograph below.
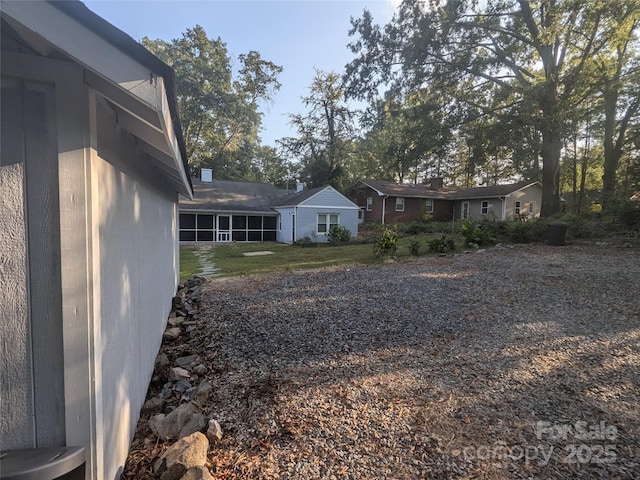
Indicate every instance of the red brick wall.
{"type": "Point", "coordinates": [414, 208]}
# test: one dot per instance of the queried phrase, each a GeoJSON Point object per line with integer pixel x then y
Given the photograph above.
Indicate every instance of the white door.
{"type": "Point", "coordinates": [223, 228]}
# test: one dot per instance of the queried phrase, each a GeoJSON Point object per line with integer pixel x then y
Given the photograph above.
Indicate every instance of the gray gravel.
{"type": "Point", "coordinates": [436, 367]}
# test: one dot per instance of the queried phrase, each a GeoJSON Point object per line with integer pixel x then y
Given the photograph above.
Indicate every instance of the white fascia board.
{"type": "Point", "coordinates": [329, 207]}
{"type": "Point", "coordinates": [115, 75]}
{"type": "Point", "coordinates": [84, 46]}
{"type": "Point", "coordinates": [380, 194]}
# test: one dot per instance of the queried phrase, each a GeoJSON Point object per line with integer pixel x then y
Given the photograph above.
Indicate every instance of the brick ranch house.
{"type": "Point", "coordinates": [389, 202]}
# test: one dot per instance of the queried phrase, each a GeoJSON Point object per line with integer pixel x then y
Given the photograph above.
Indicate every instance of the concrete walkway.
{"type": "Point", "coordinates": [208, 268]}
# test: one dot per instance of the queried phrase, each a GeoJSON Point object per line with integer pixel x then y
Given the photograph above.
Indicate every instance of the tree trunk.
{"type": "Point", "coordinates": [611, 155]}
{"type": "Point", "coordinates": [551, 148]}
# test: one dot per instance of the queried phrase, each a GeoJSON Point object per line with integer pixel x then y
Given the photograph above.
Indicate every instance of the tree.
{"type": "Point", "coordinates": [408, 135]}
{"type": "Point", "coordinates": [617, 68]}
{"type": "Point", "coordinates": [325, 133]}
{"type": "Point", "coordinates": [221, 116]}
{"type": "Point", "coordinates": [530, 53]}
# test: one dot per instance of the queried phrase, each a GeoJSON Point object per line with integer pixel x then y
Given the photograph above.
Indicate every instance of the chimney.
{"type": "Point", "coordinates": [437, 183]}
{"type": "Point", "coordinates": [206, 175]}
{"type": "Point", "coordinates": [299, 186]}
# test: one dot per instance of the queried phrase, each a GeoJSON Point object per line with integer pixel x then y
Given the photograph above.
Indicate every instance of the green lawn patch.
{"type": "Point", "coordinates": [232, 259]}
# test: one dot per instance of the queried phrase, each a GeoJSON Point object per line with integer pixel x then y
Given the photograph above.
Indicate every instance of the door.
{"type": "Point", "coordinates": [223, 228]}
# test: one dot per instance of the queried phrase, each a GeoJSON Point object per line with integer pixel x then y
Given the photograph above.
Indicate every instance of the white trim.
{"type": "Point", "coordinates": [398, 203]}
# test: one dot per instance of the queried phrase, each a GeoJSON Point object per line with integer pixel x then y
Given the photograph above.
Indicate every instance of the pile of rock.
{"type": "Point", "coordinates": [177, 401]}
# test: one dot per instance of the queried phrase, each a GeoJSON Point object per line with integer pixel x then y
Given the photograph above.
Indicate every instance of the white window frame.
{"type": "Point", "coordinates": [369, 204]}
{"type": "Point", "coordinates": [429, 205]}
{"type": "Point", "coordinates": [517, 208]}
{"type": "Point", "coordinates": [327, 223]}
{"type": "Point", "coordinates": [484, 207]}
{"type": "Point", "coordinates": [399, 204]}
{"type": "Point", "coordinates": [465, 210]}
{"type": "Point", "coordinates": [361, 214]}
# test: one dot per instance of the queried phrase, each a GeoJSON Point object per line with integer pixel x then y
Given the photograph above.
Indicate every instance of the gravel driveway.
{"type": "Point", "coordinates": [519, 362]}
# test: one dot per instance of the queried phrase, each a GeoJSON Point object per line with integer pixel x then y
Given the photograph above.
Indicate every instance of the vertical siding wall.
{"type": "Point", "coordinates": [135, 275]}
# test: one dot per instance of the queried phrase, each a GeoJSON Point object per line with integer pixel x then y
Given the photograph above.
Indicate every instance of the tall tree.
{"type": "Point", "coordinates": [221, 115]}
{"type": "Point", "coordinates": [617, 68]}
{"type": "Point", "coordinates": [324, 133]}
{"type": "Point", "coordinates": [529, 51]}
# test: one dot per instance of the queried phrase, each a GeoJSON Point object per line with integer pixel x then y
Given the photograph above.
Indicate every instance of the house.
{"type": "Point", "coordinates": [226, 210]}
{"type": "Point", "coordinates": [236, 211]}
{"type": "Point", "coordinates": [389, 202]}
{"type": "Point", "coordinates": [92, 165]}
{"type": "Point", "coordinates": [312, 213]}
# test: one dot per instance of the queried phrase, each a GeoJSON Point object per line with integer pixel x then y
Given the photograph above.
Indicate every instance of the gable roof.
{"type": "Point", "coordinates": [139, 87]}
{"type": "Point", "coordinates": [491, 190]}
{"type": "Point", "coordinates": [232, 195]}
{"type": "Point", "coordinates": [410, 190]}
{"type": "Point", "coordinates": [415, 190]}
{"type": "Point", "coordinates": [298, 198]}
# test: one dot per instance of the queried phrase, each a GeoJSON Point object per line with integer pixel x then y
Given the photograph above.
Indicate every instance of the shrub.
{"type": "Point", "coordinates": [416, 228]}
{"type": "Point", "coordinates": [526, 232]}
{"type": "Point", "coordinates": [387, 243]}
{"type": "Point", "coordinates": [629, 215]}
{"type": "Point", "coordinates": [441, 245]}
{"type": "Point", "coordinates": [414, 247]}
{"type": "Point", "coordinates": [338, 233]}
{"type": "Point", "coordinates": [474, 233]}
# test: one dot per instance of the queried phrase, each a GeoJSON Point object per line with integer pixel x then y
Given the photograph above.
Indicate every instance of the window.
{"type": "Point", "coordinates": [429, 205]}
{"type": "Point", "coordinates": [517, 208]}
{"type": "Point", "coordinates": [399, 204]}
{"type": "Point", "coordinates": [532, 208]}
{"type": "Point", "coordinates": [361, 214]}
{"type": "Point", "coordinates": [465, 210]}
{"type": "Point", "coordinates": [326, 221]}
{"type": "Point", "coordinates": [369, 204]}
{"type": "Point", "coordinates": [484, 207]}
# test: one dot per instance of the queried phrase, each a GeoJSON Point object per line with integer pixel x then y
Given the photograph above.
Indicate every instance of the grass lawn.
{"type": "Point", "coordinates": [230, 260]}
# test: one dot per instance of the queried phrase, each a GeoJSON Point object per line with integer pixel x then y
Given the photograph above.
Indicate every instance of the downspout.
{"type": "Point", "coordinates": [295, 223]}
{"type": "Point", "coordinates": [384, 206]}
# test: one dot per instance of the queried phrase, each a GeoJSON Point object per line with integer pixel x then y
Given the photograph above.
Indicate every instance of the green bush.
{"type": "Point", "coordinates": [416, 228]}
{"type": "Point", "coordinates": [387, 243]}
{"type": "Point", "coordinates": [338, 233]}
{"type": "Point", "coordinates": [629, 215]}
{"type": "Point", "coordinates": [526, 232]}
{"type": "Point", "coordinates": [414, 247]}
{"type": "Point", "coordinates": [474, 233]}
{"type": "Point", "coordinates": [441, 245]}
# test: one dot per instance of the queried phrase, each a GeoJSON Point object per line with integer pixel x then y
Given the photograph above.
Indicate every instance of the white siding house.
{"type": "Point", "coordinates": [92, 165]}
{"type": "Point", "coordinates": [312, 213]}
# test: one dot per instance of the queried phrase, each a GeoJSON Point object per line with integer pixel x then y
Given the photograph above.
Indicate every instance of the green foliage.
{"type": "Point", "coordinates": [474, 233]}
{"type": "Point", "coordinates": [387, 243]}
{"type": "Point", "coordinates": [629, 215]}
{"type": "Point", "coordinates": [415, 247]}
{"type": "Point", "coordinates": [441, 245]}
{"type": "Point", "coordinates": [220, 114]}
{"type": "Point", "coordinates": [525, 232]}
{"type": "Point", "coordinates": [323, 142]}
{"type": "Point", "coordinates": [416, 228]}
{"type": "Point", "coordinates": [338, 233]}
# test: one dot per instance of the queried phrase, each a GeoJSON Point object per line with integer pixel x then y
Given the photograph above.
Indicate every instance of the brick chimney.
{"type": "Point", "coordinates": [437, 183]}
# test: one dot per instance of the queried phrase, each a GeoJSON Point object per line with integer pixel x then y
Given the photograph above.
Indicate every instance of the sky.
{"type": "Point", "coordinates": [299, 35]}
